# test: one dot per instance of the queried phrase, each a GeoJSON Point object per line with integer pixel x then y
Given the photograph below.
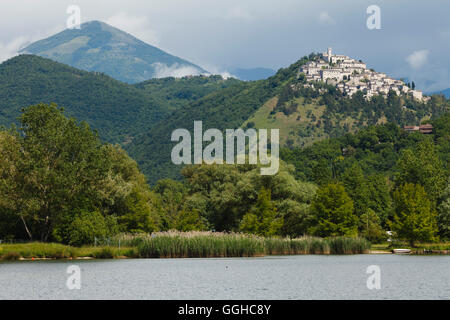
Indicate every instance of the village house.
{"type": "Point", "coordinates": [350, 75]}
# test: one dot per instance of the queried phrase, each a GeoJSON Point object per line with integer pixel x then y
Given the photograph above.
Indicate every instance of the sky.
{"type": "Point", "coordinates": [413, 41]}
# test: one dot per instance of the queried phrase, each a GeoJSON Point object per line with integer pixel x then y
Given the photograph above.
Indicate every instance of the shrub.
{"type": "Point", "coordinates": [90, 225]}
{"type": "Point", "coordinates": [104, 253]}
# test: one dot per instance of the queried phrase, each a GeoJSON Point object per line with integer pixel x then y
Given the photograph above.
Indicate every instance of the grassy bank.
{"type": "Point", "coordinates": [39, 250]}
{"type": "Point", "coordinates": [188, 245]}
{"type": "Point", "coordinates": [419, 248]}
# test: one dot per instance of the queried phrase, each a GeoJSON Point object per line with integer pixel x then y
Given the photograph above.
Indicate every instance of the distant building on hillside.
{"type": "Point", "coordinates": [350, 75]}
{"type": "Point", "coordinates": [424, 128]}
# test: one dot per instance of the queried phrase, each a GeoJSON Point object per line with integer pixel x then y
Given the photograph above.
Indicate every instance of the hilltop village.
{"type": "Point", "coordinates": [350, 75]}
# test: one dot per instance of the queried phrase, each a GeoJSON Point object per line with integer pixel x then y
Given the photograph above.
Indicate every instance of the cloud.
{"type": "Point", "coordinates": [11, 48]}
{"type": "Point", "coordinates": [418, 58]}
{"type": "Point", "coordinates": [213, 69]}
{"type": "Point", "coordinates": [325, 18]}
{"type": "Point", "coordinates": [138, 26]}
{"type": "Point", "coordinates": [176, 70]}
{"type": "Point", "coordinates": [238, 13]}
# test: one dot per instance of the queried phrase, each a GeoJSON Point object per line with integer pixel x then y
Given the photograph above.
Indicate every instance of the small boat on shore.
{"type": "Point", "coordinates": [401, 251]}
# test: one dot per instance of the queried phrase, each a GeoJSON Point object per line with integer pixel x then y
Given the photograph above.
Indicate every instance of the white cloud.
{"type": "Point", "coordinates": [418, 58]}
{"type": "Point", "coordinates": [213, 69]}
{"type": "Point", "coordinates": [178, 71]}
{"type": "Point", "coordinates": [11, 48]}
{"type": "Point", "coordinates": [238, 13]}
{"type": "Point", "coordinates": [325, 18]}
{"type": "Point", "coordinates": [138, 26]}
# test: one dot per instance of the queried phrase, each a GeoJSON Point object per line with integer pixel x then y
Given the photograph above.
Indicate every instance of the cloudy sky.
{"type": "Point", "coordinates": [413, 42]}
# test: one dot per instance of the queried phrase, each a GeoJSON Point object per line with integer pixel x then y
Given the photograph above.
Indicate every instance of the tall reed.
{"type": "Point", "coordinates": [209, 244]}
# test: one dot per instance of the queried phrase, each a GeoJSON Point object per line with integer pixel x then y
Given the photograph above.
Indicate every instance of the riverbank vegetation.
{"type": "Point", "coordinates": [188, 245]}
{"type": "Point", "coordinates": [60, 183]}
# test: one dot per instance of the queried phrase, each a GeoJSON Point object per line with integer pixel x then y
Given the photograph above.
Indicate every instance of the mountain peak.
{"type": "Point", "coordinates": [98, 46]}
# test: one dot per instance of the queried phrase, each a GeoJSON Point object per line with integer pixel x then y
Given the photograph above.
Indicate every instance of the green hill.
{"type": "Point", "coordinates": [118, 111]}
{"type": "Point", "coordinates": [376, 149]}
{"type": "Point", "coordinates": [303, 115]}
{"type": "Point", "coordinates": [142, 116]}
{"type": "Point", "coordinates": [100, 47]}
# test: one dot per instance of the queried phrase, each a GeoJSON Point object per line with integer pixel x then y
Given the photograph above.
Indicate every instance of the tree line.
{"type": "Point", "coordinates": [60, 182]}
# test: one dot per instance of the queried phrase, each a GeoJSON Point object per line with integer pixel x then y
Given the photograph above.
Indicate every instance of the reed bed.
{"type": "Point", "coordinates": [208, 244]}
{"type": "Point", "coordinates": [193, 244]}
{"type": "Point", "coordinates": [200, 244]}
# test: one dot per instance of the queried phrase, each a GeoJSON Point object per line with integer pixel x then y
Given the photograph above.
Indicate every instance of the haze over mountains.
{"type": "Point", "coordinates": [445, 92]}
{"type": "Point", "coordinates": [100, 47]}
{"type": "Point", "coordinates": [252, 74]}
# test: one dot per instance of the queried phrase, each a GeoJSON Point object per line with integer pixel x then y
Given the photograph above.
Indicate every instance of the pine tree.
{"type": "Point", "coordinates": [414, 219]}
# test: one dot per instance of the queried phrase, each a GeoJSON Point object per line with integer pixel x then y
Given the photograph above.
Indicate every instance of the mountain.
{"type": "Point", "coordinates": [252, 74]}
{"type": "Point", "coordinates": [178, 92]}
{"type": "Point", "coordinates": [118, 111]}
{"type": "Point", "coordinates": [100, 47]}
{"type": "Point", "coordinates": [303, 115]}
{"type": "Point", "coordinates": [142, 116]}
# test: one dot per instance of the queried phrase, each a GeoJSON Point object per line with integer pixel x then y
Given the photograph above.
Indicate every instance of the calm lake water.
{"type": "Point", "coordinates": [275, 277]}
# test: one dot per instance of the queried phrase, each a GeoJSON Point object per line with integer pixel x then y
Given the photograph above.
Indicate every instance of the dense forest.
{"type": "Point", "coordinates": [347, 167]}
{"type": "Point", "coordinates": [60, 182]}
{"type": "Point", "coordinates": [303, 115]}
{"type": "Point", "coordinates": [142, 116]}
{"type": "Point", "coordinates": [118, 111]}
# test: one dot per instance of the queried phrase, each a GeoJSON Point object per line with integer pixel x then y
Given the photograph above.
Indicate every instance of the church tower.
{"type": "Point", "coordinates": [329, 54]}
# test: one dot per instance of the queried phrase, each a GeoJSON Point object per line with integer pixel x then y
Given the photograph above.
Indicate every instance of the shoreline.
{"type": "Point", "coordinates": [371, 252]}
{"type": "Point", "coordinates": [208, 245]}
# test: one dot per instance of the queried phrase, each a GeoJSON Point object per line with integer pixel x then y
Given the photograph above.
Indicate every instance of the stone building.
{"type": "Point", "coordinates": [350, 75]}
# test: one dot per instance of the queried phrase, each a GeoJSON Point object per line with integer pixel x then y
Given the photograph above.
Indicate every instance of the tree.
{"type": "Point", "coordinates": [126, 194]}
{"type": "Point", "coordinates": [369, 226]}
{"type": "Point", "coordinates": [54, 168]}
{"type": "Point", "coordinates": [87, 226]}
{"type": "Point", "coordinates": [262, 219]}
{"type": "Point", "coordinates": [414, 219]}
{"type": "Point", "coordinates": [60, 167]}
{"type": "Point", "coordinates": [13, 206]}
{"type": "Point", "coordinates": [172, 196]}
{"type": "Point", "coordinates": [444, 213]}
{"type": "Point", "coordinates": [333, 212]}
{"type": "Point", "coordinates": [296, 218]}
{"type": "Point", "coordinates": [321, 173]}
{"type": "Point", "coordinates": [189, 220]}
{"type": "Point", "coordinates": [356, 186]}
{"type": "Point", "coordinates": [422, 166]}
{"type": "Point", "coordinates": [223, 194]}
{"type": "Point", "coordinates": [379, 199]}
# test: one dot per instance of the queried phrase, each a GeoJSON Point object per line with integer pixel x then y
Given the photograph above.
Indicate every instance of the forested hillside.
{"type": "Point", "coordinates": [117, 110]}
{"type": "Point", "coordinates": [303, 115]}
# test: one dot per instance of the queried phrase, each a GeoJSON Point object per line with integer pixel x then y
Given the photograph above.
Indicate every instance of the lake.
{"type": "Point", "coordinates": [273, 277]}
